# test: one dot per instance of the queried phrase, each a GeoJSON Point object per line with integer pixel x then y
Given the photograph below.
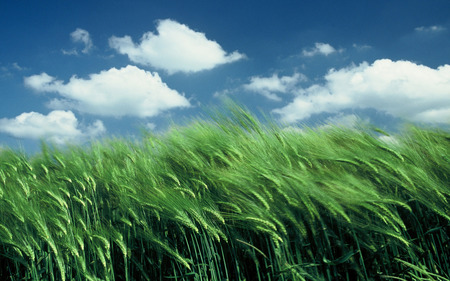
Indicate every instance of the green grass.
{"type": "Point", "coordinates": [227, 198]}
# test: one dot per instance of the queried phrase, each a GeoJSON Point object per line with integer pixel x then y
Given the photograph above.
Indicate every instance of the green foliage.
{"type": "Point", "coordinates": [230, 199]}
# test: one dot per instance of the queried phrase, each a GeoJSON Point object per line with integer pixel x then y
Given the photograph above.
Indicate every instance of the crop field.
{"type": "Point", "coordinates": [230, 198]}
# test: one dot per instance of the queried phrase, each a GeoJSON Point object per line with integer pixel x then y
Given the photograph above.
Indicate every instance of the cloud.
{"type": "Point", "coordinates": [400, 88]}
{"type": "Point", "coordinates": [176, 48]}
{"type": "Point", "coordinates": [80, 36]}
{"type": "Point", "coordinates": [17, 67]}
{"type": "Point", "coordinates": [150, 126]}
{"type": "Point", "coordinates": [10, 69]}
{"type": "Point", "coordinates": [43, 83]}
{"type": "Point", "coordinates": [270, 86]}
{"type": "Point", "coordinates": [320, 49]}
{"type": "Point", "coordinates": [128, 91]}
{"type": "Point", "coordinates": [224, 93]}
{"type": "Point", "coordinates": [362, 47]}
{"type": "Point", "coordinates": [73, 52]}
{"type": "Point", "coordinates": [430, 29]}
{"type": "Point", "coordinates": [58, 126]}
{"type": "Point", "coordinates": [343, 120]}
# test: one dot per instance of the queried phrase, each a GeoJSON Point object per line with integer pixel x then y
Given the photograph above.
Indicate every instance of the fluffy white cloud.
{"type": "Point", "coordinates": [58, 126]}
{"type": "Point", "coordinates": [42, 82]}
{"type": "Point", "coordinates": [128, 91]}
{"type": "Point", "coordinates": [175, 48]}
{"type": "Point", "coordinates": [270, 86]}
{"type": "Point", "coordinates": [319, 49]}
{"type": "Point", "coordinates": [80, 36]}
{"type": "Point", "coordinates": [400, 88]}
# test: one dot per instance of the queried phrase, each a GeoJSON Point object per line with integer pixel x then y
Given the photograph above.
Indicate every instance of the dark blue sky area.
{"type": "Point", "coordinates": [312, 62]}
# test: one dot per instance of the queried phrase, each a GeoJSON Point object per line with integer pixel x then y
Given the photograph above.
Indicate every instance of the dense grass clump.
{"type": "Point", "coordinates": [230, 199]}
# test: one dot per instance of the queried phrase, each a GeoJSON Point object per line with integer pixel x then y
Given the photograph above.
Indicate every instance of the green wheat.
{"type": "Point", "coordinates": [229, 198]}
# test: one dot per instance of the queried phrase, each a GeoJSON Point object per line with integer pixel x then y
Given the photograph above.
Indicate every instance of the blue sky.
{"type": "Point", "coordinates": [73, 71]}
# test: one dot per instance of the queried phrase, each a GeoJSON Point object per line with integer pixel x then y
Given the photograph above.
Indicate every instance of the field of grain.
{"type": "Point", "coordinates": [230, 198]}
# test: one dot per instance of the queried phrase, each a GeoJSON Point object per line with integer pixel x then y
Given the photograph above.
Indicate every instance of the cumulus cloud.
{"type": "Point", "coordinates": [43, 82]}
{"type": "Point", "coordinates": [270, 86]}
{"type": "Point", "coordinates": [176, 48]}
{"type": "Point", "coordinates": [58, 126]}
{"type": "Point", "coordinates": [80, 36]}
{"type": "Point", "coordinates": [400, 88]}
{"type": "Point", "coordinates": [319, 49]}
{"type": "Point", "coordinates": [128, 91]}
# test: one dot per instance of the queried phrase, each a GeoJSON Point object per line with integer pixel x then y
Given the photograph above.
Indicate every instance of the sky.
{"type": "Point", "coordinates": [76, 71]}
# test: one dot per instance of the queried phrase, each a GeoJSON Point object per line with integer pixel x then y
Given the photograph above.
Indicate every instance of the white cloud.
{"type": "Point", "coordinates": [362, 47]}
{"type": "Point", "coordinates": [70, 52]}
{"type": "Point", "coordinates": [175, 48]}
{"type": "Point", "coordinates": [95, 129]}
{"type": "Point", "coordinates": [430, 29]}
{"type": "Point", "coordinates": [293, 129]}
{"type": "Point", "coordinates": [400, 88]}
{"type": "Point", "coordinates": [10, 69]}
{"type": "Point", "coordinates": [320, 49]}
{"type": "Point", "coordinates": [43, 82]}
{"type": "Point", "coordinates": [58, 126]}
{"type": "Point", "coordinates": [128, 91]}
{"type": "Point", "coordinates": [343, 120]}
{"type": "Point", "coordinates": [80, 36]}
{"type": "Point", "coordinates": [16, 66]}
{"type": "Point", "coordinates": [269, 86]}
{"type": "Point", "coordinates": [150, 126]}
{"type": "Point", "coordinates": [224, 93]}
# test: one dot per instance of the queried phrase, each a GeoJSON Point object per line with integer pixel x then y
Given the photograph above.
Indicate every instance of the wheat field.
{"type": "Point", "coordinates": [230, 198]}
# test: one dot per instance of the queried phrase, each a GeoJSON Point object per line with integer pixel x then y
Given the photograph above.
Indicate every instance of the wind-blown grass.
{"type": "Point", "coordinates": [230, 199]}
